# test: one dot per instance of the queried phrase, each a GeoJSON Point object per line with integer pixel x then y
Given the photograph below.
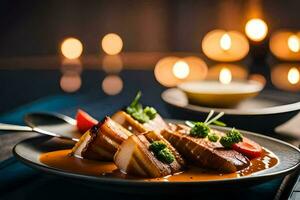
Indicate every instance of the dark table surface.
{"type": "Point", "coordinates": [41, 89]}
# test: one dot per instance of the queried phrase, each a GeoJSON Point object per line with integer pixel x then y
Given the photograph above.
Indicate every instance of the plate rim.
{"type": "Point", "coordinates": [116, 181]}
{"type": "Point", "coordinates": [264, 111]}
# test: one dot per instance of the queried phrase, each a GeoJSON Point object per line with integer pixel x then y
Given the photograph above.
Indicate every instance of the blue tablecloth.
{"type": "Point", "coordinates": [18, 181]}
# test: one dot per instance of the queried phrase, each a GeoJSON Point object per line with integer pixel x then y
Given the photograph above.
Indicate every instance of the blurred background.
{"type": "Point", "coordinates": [34, 63]}
{"type": "Point", "coordinates": [35, 28]}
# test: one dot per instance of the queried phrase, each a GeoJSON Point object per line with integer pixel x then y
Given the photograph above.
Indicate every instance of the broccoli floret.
{"type": "Point", "coordinates": [232, 137]}
{"type": "Point", "coordinates": [161, 152]}
{"type": "Point", "coordinates": [226, 142]}
{"type": "Point", "coordinates": [213, 137]}
{"type": "Point", "coordinates": [165, 155]}
{"type": "Point", "coordinates": [235, 135]}
{"type": "Point", "coordinates": [157, 146]}
{"type": "Point", "coordinates": [200, 129]}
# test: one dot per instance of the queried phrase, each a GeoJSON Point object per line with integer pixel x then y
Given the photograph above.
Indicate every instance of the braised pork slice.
{"type": "Point", "coordinates": [135, 158]}
{"type": "Point", "coordinates": [157, 124]}
{"type": "Point", "coordinates": [102, 141]}
{"type": "Point", "coordinates": [204, 153]}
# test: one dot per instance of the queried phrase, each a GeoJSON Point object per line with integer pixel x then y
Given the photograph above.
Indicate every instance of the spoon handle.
{"type": "Point", "coordinates": [11, 127]}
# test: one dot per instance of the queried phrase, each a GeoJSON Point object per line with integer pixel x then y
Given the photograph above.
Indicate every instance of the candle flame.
{"type": "Point", "coordinates": [71, 48]}
{"type": "Point", "coordinates": [293, 75]}
{"type": "Point", "coordinates": [181, 69]}
{"type": "Point", "coordinates": [225, 76]}
{"type": "Point", "coordinates": [225, 42]}
{"type": "Point", "coordinates": [256, 29]}
{"type": "Point", "coordinates": [294, 43]}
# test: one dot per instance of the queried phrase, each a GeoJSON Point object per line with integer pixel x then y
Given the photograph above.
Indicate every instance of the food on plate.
{"type": "Point", "coordinates": [248, 147]}
{"type": "Point", "coordinates": [143, 155]}
{"type": "Point", "coordinates": [141, 144]}
{"type": "Point", "coordinates": [101, 141]}
{"type": "Point", "coordinates": [204, 153]}
{"type": "Point", "coordinates": [206, 147]}
{"type": "Point", "coordinates": [138, 119]}
{"type": "Point", "coordinates": [84, 121]}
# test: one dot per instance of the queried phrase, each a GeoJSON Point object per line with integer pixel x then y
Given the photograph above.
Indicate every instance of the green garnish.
{"type": "Point", "coordinates": [165, 156]}
{"type": "Point", "coordinates": [157, 146]}
{"type": "Point", "coordinates": [150, 112]}
{"type": "Point", "coordinates": [202, 130]}
{"type": "Point", "coordinates": [135, 109]}
{"type": "Point", "coordinates": [232, 137]}
{"type": "Point", "coordinates": [219, 123]}
{"type": "Point", "coordinates": [213, 137]}
{"type": "Point", "coordinates": [161, 152]}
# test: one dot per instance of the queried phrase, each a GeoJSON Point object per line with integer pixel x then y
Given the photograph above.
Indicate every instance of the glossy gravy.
{"type": "Point", "coordinates": [62, 160]}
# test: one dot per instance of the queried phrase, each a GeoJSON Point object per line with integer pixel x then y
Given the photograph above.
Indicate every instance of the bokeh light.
{"type": "Point", "coordinates": [225, 46]}
{"type": "Point", "coordinates": [293, 75]}
{"type": "Point", "coordinates": [71, 66]}
{"type": "Point", "coordinates": [294, 43]}
{"type": "Point", "coordinates": [225, 76]}
{"type": "Point", "coordinates": [112, 64]}
{"type": "Point", "coordinates": [238, 72]}
{"type": "Point", "coordinates": [171, 71]}
{"type": "Point", "coordinates": [285, 45]}
{"type": "Point", "coordinates": [258, 78]}
{"type": "Point", "coordinates": [163, 71]}
{"type": "Point", "coordinates": [71, 48]}
{"type": "Point", "coordinates": [286, 76]}
{"type": "Point", "coordinates": [256, 29]}
{"type": "Point", "coordinates": [70, 82]}
{"type": "Point", "coordinates": [112, 44]}
{"type": "Point", "coordinates": [225, 42]}
{"type": "Point", "coordinates": [112, 85]}
{"type": "Point", "coordinates": [181, 69]}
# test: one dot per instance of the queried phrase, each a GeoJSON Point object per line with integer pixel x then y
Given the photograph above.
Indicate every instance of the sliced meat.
{"type": "Point", "coordinates": [153, 136]}
{"type": "Point", "coordinates": [135, 158]}
{"type": "Point", "coordinates": [102, 141]}
{"type": "Point", "coordinates": [157, 124]}
{"type": "Point", "coordinates": [206, 154]}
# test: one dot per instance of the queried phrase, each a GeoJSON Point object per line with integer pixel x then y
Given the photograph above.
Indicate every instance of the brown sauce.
{"type": "Point", "coordinates": [62, 160]}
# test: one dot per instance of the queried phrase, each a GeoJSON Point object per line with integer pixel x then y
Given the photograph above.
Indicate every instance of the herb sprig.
{"type": "Point", "coordinates": [136, 110]}
{"type": "Point", "coordinates": [202, 129]}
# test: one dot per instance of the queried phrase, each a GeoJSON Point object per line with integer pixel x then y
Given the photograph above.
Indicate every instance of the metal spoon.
{"type": "Point", "coordinates": [52, 124]}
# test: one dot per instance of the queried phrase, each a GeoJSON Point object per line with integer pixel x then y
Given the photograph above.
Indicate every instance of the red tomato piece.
{"type": "Point", "coordinates": [84, 121]}
{"type": "Point", "coordinates": [248, 148]}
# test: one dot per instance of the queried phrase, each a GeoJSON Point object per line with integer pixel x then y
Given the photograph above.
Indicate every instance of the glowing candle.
{"type": "Point", "coordinates": [238, 72]}
{"type": "Point", "coordinates": [225, 42]}
{"type": "Point", "coordinates": [112, 44]}
{"type": "Point", "coordinates": [225, 76]}
{"type": "Point", "coordinates": [181, 69]}
{"type": "Point", "coordinates": [170, 71]}
{"type": "Point", "coordinates": [294, 43]}
{"type": "Point", "coordinates": [71, 48]}
{"type": "Point", "coordinates": [293, 75]}
{"type": "Point", "coordinates": [285, 45]}
{"type": "Point", "coordinates": [256, 29]}
{"type": "Point", "coordinates": [225, 46]}
{"type": "Point", "coordinates": [286, 76]}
